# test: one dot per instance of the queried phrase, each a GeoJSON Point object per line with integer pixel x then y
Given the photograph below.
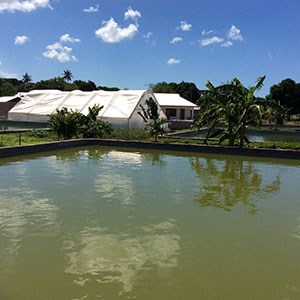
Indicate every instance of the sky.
{"type": "Point", "coordinates": [134, 43]}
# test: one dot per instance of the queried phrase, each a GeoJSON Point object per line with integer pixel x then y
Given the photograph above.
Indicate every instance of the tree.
{"type": "Point", "coordinates": [187, 90]}
{"type": "Point", "coordinates": [85, 85]}
{"type": "Point", "coordinates": [93, 127]}
{"type": "Point", "coordinates": [67, 75]}
{"type": "Point", "coordinates": [150, 115]}
{"type": "Point", "coordinates": [66, 124]}
{"type": "Point", "coordinates": [7, 88]}
{"type": "Point", "coordinates": [26, 78]}
{"type": "Point", "coordinates": [233, 105]}
{"type": "Point", "coordinates": [287, 93]}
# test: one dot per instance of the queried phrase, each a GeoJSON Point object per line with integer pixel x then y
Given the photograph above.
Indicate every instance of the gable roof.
{"type": "Point", "coordinates": [173, 100]}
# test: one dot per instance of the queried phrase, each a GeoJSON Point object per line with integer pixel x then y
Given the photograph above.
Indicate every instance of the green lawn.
{"type": "Point", "coordinates": [42, 136]}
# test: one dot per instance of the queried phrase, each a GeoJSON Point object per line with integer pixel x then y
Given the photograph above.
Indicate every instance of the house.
{"type": "Point", "coordinates": [175, 107]}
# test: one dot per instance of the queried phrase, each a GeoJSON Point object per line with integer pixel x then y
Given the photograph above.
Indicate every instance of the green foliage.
{"type": "Point", "coordinates": [7, 88]}
{"type": "Point", "coordinates": [129, 134]}
{"type": "Point", "coordinates": [150, 115]}
{"type": "Point", "coordinates": [187, 90]}
{"type": "Point", "coordinates": [67, 75]}
{"type": "Point", "coordinates": [85, 86]}
{"type": "Point", "coordinates": [93, 127]}
{"type": "Point", "coordinates": [26, 78]}
{"type": "Point", "coordinates": [72, 124]}
{"type": "Point", "coordinates": [66, 124]}
{"type": "Point", "coordinates": [287, 93]}
{"type": "Point", "coordinates": [233, 105]}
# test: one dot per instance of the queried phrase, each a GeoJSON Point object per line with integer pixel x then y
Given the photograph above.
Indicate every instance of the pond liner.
{"type": "Point", "coordinates": [192, 148]}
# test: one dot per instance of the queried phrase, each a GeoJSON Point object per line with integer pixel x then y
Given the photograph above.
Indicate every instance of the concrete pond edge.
{"type": "Point", "coordinates": [191, 148]}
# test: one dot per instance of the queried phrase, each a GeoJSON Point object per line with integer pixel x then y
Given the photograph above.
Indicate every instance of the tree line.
{"type": "Point", "coordinates": [285, 93]}
{"type": "Point", "coordinates": [11, 86]}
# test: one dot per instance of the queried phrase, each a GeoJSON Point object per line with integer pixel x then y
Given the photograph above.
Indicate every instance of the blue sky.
{"type": "Point", "coordinates": [132, 43]}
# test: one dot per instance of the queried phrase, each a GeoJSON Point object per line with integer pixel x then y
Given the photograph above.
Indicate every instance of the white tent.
{"type": "Point", "coordinates": [119, 108]}
{"type": "Point", "coordinates": [175, 107]}
{"type": "Point", "coordinates": [7, 103]}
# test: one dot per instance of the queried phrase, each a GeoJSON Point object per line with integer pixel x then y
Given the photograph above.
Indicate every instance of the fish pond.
{"type": "Point", "coordinates": [104, 223]}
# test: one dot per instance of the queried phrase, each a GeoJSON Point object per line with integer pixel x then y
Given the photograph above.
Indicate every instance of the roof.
{"type": "Point", "coordinates": [116, 104]}
{"type": "Point", "coordinates": [173, 100]}
{"type": "Point", "coordinates": [9, 98]}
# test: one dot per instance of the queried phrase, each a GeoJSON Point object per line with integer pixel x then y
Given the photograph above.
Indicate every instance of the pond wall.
{"type": "Point", "coordinates": [222, 150]}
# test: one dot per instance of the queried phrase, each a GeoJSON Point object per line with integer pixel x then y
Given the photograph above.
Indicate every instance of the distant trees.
{"type": "Point", "coordinates": [287, 93]}
{"type": "Point", "coordinates": [7, 88]}
{"type": "Point", "coordinates": [233, 105]}
{"type": "Point", "coordinates": [26, 78]}
{"type": "Point", "coordinates": [187, 90]}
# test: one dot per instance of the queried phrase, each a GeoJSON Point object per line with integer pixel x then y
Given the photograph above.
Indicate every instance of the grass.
{"type": "Point", "coordinates": [42, 136]}
{"type": "Point", "coordinates": [26, 138]}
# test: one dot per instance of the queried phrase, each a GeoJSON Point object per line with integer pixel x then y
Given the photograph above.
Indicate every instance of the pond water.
{"type": "Point", "coordinates": [102, 223]}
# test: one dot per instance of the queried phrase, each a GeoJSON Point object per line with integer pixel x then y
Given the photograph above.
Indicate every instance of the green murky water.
{"type": "Point", "coordinates": [98, 223]}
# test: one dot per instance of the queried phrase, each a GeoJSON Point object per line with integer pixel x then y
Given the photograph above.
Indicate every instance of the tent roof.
{"type": "Point", "coordinates": [116, 104]}
{"type": "Point", "coordinates": [9, 98]}
{"type": "Point", "coordinates": [173, 100]}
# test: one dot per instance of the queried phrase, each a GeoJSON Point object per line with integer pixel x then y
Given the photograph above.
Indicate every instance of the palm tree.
{"type": "Point", "coordinates": [26, 78]}
{"type": "Point", "coordinates": [67, 75]}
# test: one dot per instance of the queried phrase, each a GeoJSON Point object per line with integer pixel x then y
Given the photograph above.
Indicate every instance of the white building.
{"type": "Point", "coordinates": [120, 108]}
{"type": "Point", "coordinates": [175, 107]}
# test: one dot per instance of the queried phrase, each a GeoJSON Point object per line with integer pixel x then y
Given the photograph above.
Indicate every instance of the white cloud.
{"type": "Point", "coordinates": [132, 14]}
{"type": "Point", "coordinates": [148, 35]}
{"type": "Point", "coordinates": [23, 5]}
{"type": "Point", "coordinates": [111, 32]}
{"type": "Point", "coordinates": [184, 26]}
{"type": "Point", "coordinates": [226, 44]}
{"type": "Point", "coordinates": [176, 39]}
{"type": "Point", "coordinates": [20, 39]}
{"type": "Point", "coordinates": [207, 32]}
{"type": "Point", "coordinates": [212, 40]}
{"type": "Point", "coordinates": [92, 9]}
{"type": "Point", "coordinates": [173, 61]}
{"type": "Point", "coordinates": [7, 75]}
{"type": "Point", "coordinates": [59, 52]}
{"type": "Point", "coordinates": [234, 34]}
{"type": "Point", "coordinates": [270, 55]}
{"type": "Point", "coordinates": [66, 38]}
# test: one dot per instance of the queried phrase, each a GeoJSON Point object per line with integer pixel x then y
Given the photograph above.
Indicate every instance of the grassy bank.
{"type": "Point", "coordinates": [42, 136]}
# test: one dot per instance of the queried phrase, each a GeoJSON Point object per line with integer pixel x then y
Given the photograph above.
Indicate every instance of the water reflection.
{"type": "Point", "coordinates": [230, 182]}
{"type": "Point", "coordinates": [114, 186]}
{"type": "Point", "coordinates": [23, 210]}
{"type": "Point", "coordinates": [119, 257]}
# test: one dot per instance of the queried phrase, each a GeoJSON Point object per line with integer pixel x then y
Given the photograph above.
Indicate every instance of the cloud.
{"type": "Point", "coordinates": [59, 52]}
{"type": "Point", "coordinates": [23, 5]}
{"type": "Point", "coordinates": [148, 35]}
{"type": "Point", "coordinates": [66, 38]}
{"type": "Point", "coordinates": [207, 32]}
{"type": "Point", "coordinates": [212, 40]}
{"type": "Point", "coordinates": [7, 75]}
{"type": "Point", "coordinates": [132, 14]}
{"type": "Point", "coordinates": [227, 44]}
{"type": "Point", "coordinates": [176, 39]}
{"type": "Point", "coordinates": [234, 34]}
{"type": "Point", "coordinates": [173, 61]}
{"type": "Point", "coordinates": [111, 32]}
{"type": "Point", "coordinates": [20, 39]}
{"type": "Point", "coordinates": [92, 9]}
{"type": "Point", "coordinates": [184, 26]}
